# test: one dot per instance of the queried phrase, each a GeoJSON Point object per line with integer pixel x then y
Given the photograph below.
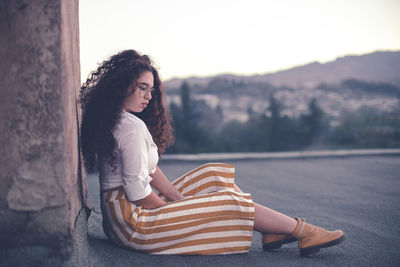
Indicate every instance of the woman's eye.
{"type": "Point", "coordinates": [146, 89]}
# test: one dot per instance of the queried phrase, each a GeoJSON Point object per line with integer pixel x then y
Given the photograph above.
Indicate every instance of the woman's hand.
{"type": "Point", "coordinates": [152, 201]}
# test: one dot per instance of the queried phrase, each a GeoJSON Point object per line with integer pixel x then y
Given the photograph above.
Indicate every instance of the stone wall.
{"type": "Point", "coordinates": [41, 186]}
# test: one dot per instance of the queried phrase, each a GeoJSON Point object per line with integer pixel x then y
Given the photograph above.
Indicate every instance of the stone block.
{"type": "Point", "coordinates": [42, 187]}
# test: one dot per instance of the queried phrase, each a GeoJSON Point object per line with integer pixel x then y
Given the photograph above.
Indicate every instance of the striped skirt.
{"type": "Point", "coordinates": [211, 219]}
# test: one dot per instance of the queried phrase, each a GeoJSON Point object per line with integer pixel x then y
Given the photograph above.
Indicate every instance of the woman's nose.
{"type": "Point", "coordinates": [148, 95]}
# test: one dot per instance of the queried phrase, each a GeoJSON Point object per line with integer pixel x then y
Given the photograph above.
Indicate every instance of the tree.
{"type": "Point", "coordinates": [189, 137]}
{"type": "Point", "coordinates": [274, 124]}
{"type": "Point", "coordinates": [311, 123]}
{"type": "Point", "coordinates": [368, 128]}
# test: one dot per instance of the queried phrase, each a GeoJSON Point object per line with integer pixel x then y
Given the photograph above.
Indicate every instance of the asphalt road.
{"type": "Point", "coordinates": [360, 195]}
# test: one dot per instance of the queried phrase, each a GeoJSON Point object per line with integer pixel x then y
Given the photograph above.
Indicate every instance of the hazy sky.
{"type": "Point", "coordinates": [207, 37]}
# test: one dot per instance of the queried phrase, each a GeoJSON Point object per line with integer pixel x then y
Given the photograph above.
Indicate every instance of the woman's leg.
{"type": "Point", "coordinates": [213, 177]}
{"type": "Point", "coordinates": [208, 178]}
{"type": "Point", "coordinates": [270, 221]}
{"type": "Point", "coordinates": [311, 238]}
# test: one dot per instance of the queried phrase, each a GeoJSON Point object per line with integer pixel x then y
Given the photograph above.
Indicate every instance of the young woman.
{"type": "Point", "coordinates": [125, 128]}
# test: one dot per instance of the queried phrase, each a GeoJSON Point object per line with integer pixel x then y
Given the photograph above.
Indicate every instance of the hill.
{"type": "Point", "coordinates": [380, 66]}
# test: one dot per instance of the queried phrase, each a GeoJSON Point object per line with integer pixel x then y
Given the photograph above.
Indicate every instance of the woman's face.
{"type": "Point", "coordinates": [139, 94]}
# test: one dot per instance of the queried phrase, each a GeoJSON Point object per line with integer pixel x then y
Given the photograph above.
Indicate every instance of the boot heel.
{"type": "Point", "coordinates": [304, 252]}
{"type": "Point", "coordinates": [275, 241]}
{"type": "Point", "coordinates": [272, 246]}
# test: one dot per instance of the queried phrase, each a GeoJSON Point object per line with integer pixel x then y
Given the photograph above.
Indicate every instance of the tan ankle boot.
{"type": "Point", "coordinates": [313, 238]}
{"type": "Point", "coordinates": [275, 241]}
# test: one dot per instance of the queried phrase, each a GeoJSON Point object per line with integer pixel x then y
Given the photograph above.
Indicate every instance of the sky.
{"type": "Point", "coordinates": [208, 37]}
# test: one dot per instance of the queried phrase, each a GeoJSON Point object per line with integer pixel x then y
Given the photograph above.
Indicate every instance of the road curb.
{"type": "Point", "coordinates": [280, 155]}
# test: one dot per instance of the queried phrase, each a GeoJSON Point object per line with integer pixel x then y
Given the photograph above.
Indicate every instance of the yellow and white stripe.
{"type": "Point", "coordinates": [211, 219]}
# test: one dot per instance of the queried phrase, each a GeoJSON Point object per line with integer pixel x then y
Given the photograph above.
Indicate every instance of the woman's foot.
{"type": "Point", "coordinates": [312, 238]}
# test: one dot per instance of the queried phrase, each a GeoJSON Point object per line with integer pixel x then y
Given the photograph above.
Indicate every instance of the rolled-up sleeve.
{"type": "Point", "coordinates": [134, 163]}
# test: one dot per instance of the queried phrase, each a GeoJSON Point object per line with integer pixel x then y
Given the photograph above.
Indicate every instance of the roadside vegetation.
{"type": "Point", "coordinates": [200, 129]}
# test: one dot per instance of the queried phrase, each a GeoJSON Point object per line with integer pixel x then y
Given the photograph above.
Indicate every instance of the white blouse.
{"type": "Point", "coordinates": [138, 158]}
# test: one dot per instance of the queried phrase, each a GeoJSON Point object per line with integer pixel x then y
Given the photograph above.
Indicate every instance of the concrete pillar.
{"type": "Point", "coordinates": [41, 186]}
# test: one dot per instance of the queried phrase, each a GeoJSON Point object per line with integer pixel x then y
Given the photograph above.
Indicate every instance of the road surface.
{"type": "Point", "coordinates": [360, 195]}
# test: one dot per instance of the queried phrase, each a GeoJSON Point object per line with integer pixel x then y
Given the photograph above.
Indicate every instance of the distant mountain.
{"type": "Point", "coordinates": [345, 85]}
{"type": "Point", "coordinates": [380, 66]}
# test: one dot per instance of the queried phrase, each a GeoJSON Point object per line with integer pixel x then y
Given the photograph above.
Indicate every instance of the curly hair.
{"type": "Point", "coordinates": [101, 99]}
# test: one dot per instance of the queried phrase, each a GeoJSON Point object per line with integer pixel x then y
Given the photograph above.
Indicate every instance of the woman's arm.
{"type": "Point", "coordinates": [164, 186]}
{"type": "Point", "coordinates": [152, 201]}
